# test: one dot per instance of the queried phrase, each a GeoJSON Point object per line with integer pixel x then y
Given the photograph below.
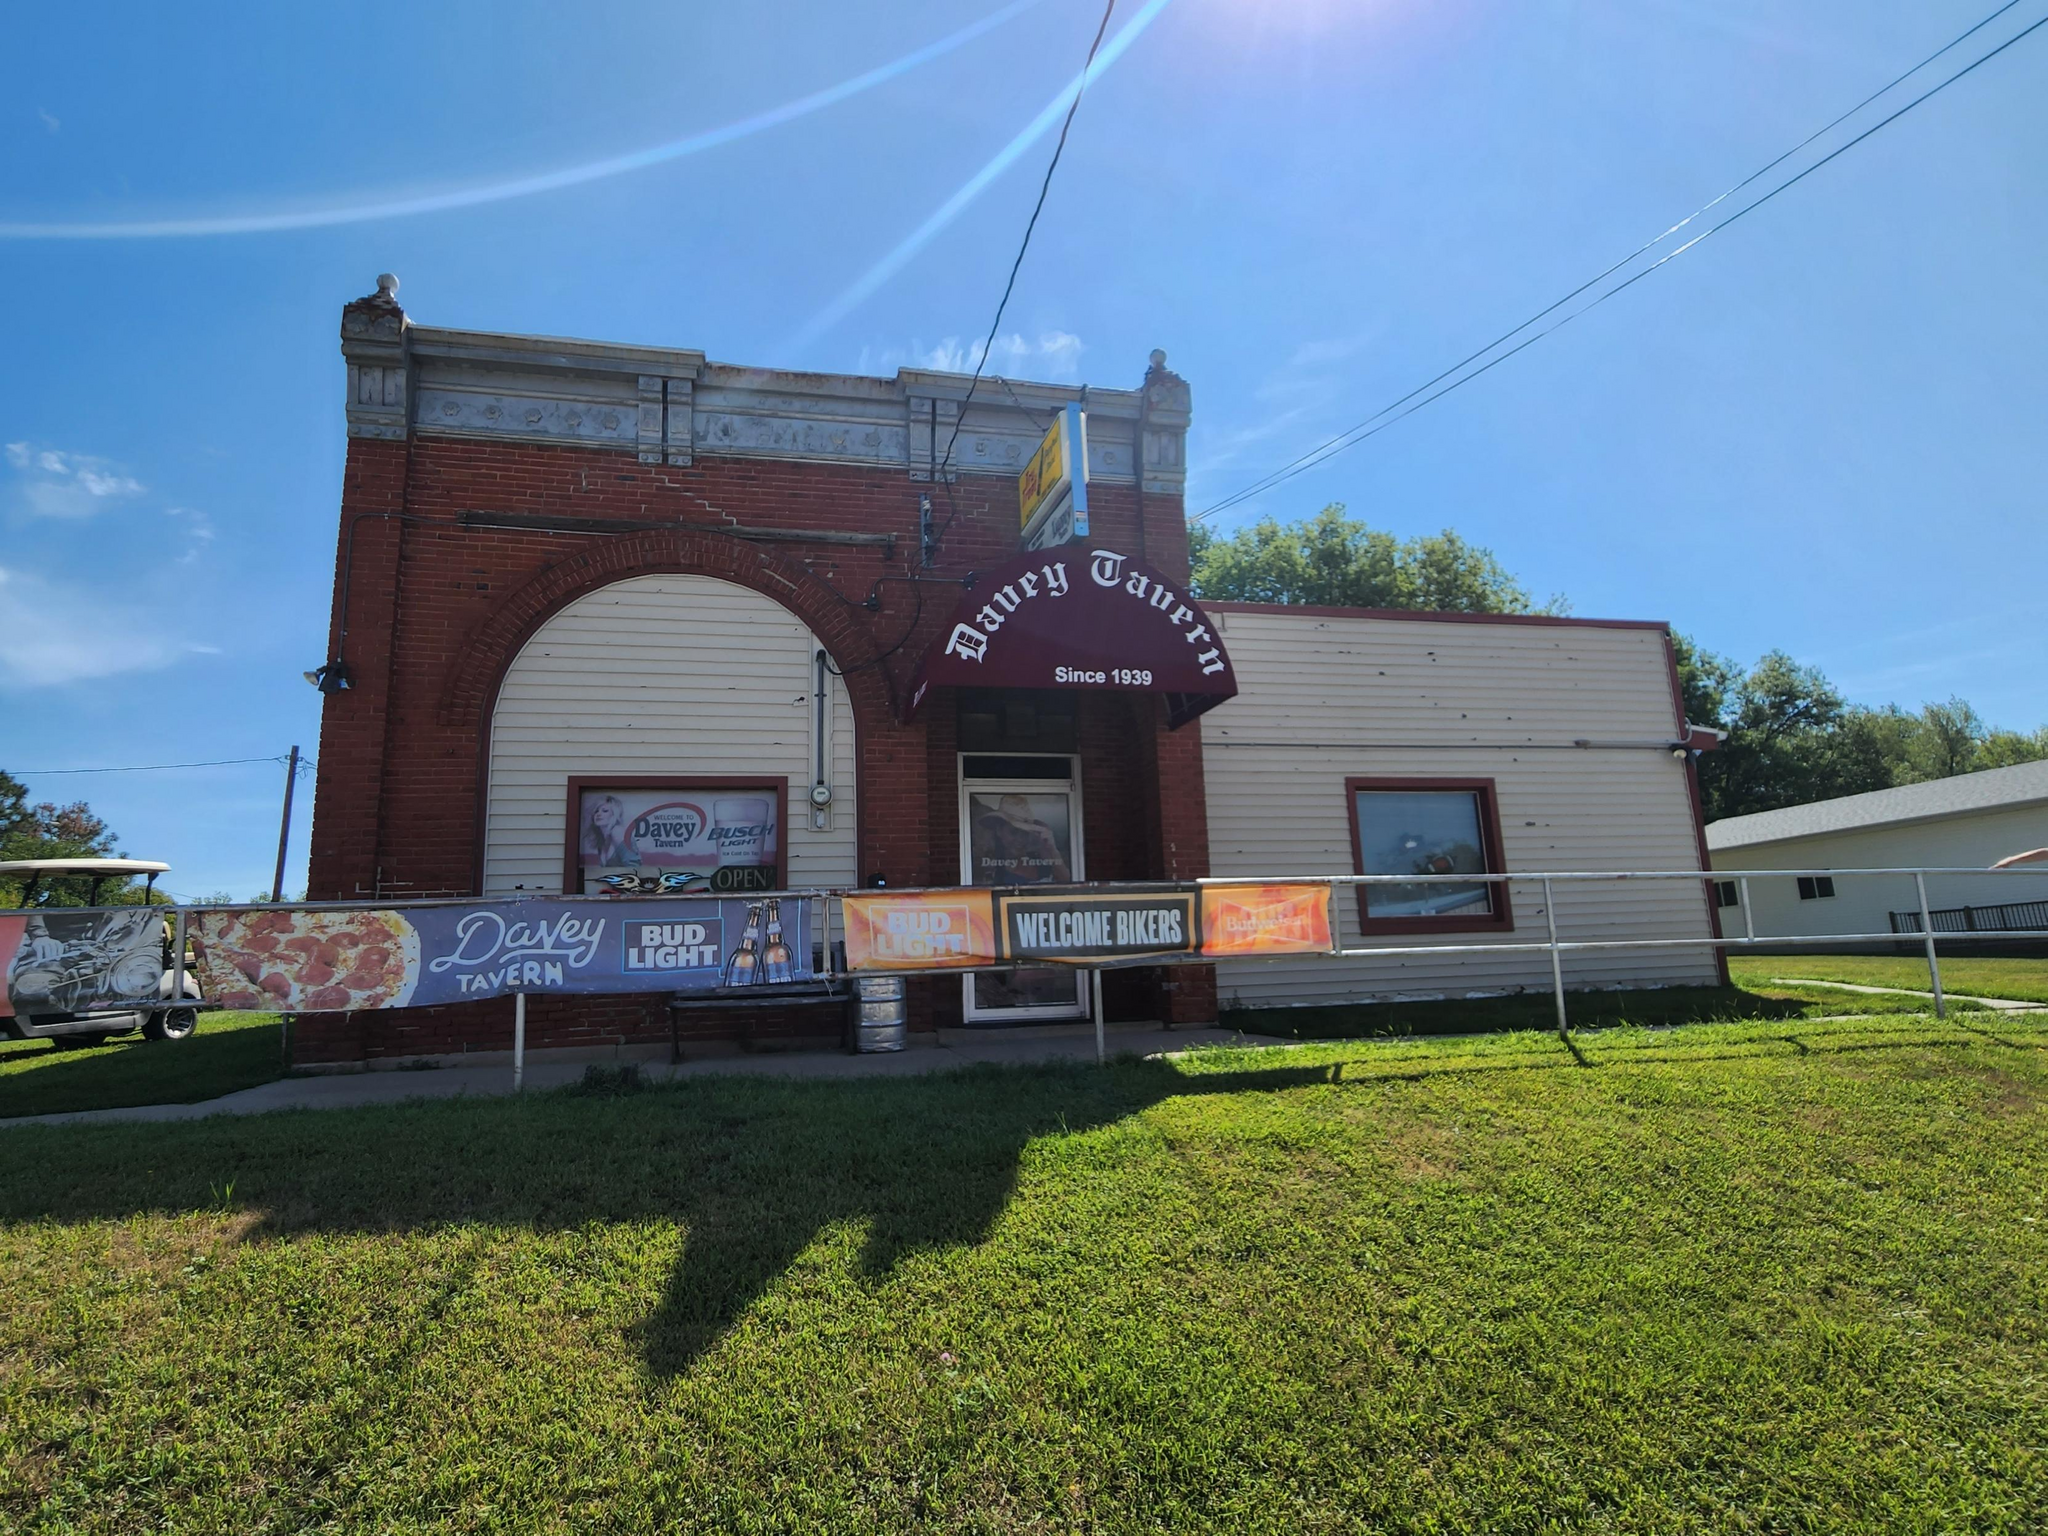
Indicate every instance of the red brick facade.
{"type": "Point", "coordinates": [430, 612]}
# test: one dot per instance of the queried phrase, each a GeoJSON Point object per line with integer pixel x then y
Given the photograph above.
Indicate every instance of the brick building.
{"type": "Point", "coordinates": [582, 585]}
{"type": "Point", "coordinates": [504, 494]}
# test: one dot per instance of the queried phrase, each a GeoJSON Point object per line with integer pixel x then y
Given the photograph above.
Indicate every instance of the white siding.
{"type": "Point", "coordinates": [1863, 905]}
{"type": "Point", "coordinates": [1322, 699]}
{"type": "Point", "coordinates": [662, 674]}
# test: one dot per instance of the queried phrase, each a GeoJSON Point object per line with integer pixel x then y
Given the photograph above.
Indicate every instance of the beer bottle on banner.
{"type": "Point", "coordinates": [744, 967]}
{"type": "Point", "coordinates": [775, 958]}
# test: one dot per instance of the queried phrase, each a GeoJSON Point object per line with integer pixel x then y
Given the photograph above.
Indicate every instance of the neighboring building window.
{"type": "Point", "coordinates": [1427, 827]}
{"type": "Point", "coordinates": [1816, 887]}
{"type": "Point", "coordinates": [1727, 894]}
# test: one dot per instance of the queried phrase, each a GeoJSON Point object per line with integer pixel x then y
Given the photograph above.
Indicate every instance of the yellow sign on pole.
{"type": "Point", "coordinates": [1047, 474]}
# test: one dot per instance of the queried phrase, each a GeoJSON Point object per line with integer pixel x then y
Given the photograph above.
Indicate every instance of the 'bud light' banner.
{"type": "Point", "coordinates": [316, 960]}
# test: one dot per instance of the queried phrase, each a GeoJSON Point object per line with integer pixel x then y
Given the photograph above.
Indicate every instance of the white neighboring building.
{"type": "Point", "coordinates": [1970, 821]}
{"type": "Point", "coordinates": [1371, 742]}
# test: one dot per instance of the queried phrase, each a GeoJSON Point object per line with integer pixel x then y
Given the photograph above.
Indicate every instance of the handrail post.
{"type": "Point", "coordinates": [1748, 912]}
{"type": "Point", "coordinates": [518, 1040]}
{"type": "Point", "coordinates": [1927, 930]}
{"type": "Point", "coordinates": [1556, 960]}
{"type": "Point", "coordinates": [177, 956]}
{"type": "Point", "coordinates": [1101, 1045]}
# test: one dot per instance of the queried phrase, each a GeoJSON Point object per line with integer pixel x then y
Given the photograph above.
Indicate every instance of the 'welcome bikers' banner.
{"type": "Point", "coordinates": [963, 929]}
{"type": "Point", "coordinates": [314, 960]}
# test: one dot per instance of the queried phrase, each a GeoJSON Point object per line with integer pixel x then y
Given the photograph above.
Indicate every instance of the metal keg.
{"type": "Point", "coordinates": [880, 1018]}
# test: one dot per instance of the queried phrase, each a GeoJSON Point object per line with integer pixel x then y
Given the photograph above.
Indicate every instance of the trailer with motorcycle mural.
{"type": "Point", "coordinates": [80, 975]}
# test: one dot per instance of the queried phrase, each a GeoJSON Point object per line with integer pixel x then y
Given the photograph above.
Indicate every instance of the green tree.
{"type": "Point", "coordinates": [1780, 720]}
{"type": "Point", "coordinates": [1947, 742]}
{"type": "Point", "coordinates": [2008, 749]}
{"type": "Point", "coordinates": [1335, 561]}
{"type": "Point", "coordinates": [1792, 740]}
{"type": "Point", "coordinates": [52, 831]}
{"type": "Point", "coordinates": [1705, 681]}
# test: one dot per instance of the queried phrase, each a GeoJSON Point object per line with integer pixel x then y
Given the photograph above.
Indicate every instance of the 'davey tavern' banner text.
{"type": "Point", "coordinates": [320, 960]}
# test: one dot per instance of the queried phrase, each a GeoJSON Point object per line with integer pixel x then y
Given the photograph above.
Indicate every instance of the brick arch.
{"type": "Point", "coordinates": [487, 652]}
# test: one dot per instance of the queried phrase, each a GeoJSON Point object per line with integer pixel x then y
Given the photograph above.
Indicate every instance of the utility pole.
{"type": "Point", "coordinates": [284, 830]}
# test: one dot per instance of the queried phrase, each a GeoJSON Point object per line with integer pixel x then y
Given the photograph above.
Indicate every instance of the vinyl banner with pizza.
{"type": "Point", "coordinates": [322, 960]}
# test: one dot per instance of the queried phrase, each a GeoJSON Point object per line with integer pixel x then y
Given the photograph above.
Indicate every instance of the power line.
{"type": "Point", "coordinates": [1352, 436]}
{"type": "Point", "coordinates": [1024, 245]}
{"type": "Point", "coordinates": [224, 762]}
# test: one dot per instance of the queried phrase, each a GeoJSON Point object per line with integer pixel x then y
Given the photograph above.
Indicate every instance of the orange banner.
{"type": "Point", "coordinates": [920, 930]}
{"type": "Point", "coordinates": [1266, 920]}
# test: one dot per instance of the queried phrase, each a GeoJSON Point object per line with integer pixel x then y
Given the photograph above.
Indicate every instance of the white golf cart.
{"type": "Point", "coordinates": [77, 974]}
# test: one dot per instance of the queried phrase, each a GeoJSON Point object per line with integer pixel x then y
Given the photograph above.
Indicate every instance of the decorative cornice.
{"type": "Point", "coordinates": [667, 404]}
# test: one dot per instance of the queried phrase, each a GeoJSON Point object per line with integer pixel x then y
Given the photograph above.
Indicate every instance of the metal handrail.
{"type": "Point", "coordinates": [1553, 943]}
{"type": "Point", "coordinates": [1495, 877]}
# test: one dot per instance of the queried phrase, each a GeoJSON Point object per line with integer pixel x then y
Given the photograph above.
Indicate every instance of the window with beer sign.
{"type": "Point", "coordinates": [674, 836]}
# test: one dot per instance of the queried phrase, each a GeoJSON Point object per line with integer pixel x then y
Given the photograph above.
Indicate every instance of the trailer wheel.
{"type": "Point", "coordinates": [171, 1024]}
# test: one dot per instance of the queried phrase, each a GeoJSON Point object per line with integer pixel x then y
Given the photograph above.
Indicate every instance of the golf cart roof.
{"type": "Point", "coordinates": [104, 867]}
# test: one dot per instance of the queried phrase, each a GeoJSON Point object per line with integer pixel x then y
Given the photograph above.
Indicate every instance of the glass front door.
{"type": "Point", "coordinates": [1021, 829]}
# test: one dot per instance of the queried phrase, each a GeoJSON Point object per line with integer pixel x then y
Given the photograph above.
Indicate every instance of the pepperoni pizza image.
{"type": "Point", "coordinates": [307, 961]}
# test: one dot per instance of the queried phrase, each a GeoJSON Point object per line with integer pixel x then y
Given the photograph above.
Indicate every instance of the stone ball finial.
{"type": "Point", "coordinates": [1158, 357]}
{"type": "Point", "coordinates": [387, 285]}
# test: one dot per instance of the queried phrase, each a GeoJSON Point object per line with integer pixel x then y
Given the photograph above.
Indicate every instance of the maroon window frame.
{"type": "Point", "coordinates": [572, 869]}
{"type": "Point", "coordinates": [1501, 918]}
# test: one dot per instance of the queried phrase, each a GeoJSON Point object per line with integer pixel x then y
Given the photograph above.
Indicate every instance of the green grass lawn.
{"type": "Point", "coordinates": [1755, 997]}
{"type": "Point", "coordinates": [1783, 1276]}
{"type": "Point", "coordinates": [2019, 980]}
{"type": "Point", "coordinates": [230, 1051]}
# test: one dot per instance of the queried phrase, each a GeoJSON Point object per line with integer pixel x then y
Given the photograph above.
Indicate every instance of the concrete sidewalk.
{"type": "Point", "coordinates": [2000, 1004]}
{"type": "Point", "coordinates": [451, 1078]}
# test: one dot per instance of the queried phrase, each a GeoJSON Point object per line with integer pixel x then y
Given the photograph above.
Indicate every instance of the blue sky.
{"type": "Point", "coordinates": [1820, 430]}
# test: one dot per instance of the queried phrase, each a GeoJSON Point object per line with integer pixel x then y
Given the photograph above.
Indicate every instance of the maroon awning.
{"type": "Point", "coordinates": [1083, 617]}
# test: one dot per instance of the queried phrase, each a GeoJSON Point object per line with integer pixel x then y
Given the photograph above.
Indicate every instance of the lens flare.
{"type": "Point", "coordinates": [390, 207]}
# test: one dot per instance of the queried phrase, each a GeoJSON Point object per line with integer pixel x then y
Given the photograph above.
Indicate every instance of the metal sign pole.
{"type": "Point", "coordinates": [518, 1040]}
{"type": "Point", "coordinates": [1927, 931]}
{"type": "Point", "coordinates": [1556, 961]}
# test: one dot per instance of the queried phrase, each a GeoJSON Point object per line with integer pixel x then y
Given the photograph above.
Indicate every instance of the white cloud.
{"type": "Point", "coordinates": [1331, 349]}
{"type": "Point", "coordinates": [1051, 355]}
{"type": "Point", "coordinates": [52, 634]}
{"type": "Point", "coordinates": [49, 120]}
{"type": "Point", "coordinates": [198, 532]}
{"type": "Point", "coordinates": [59, 484]}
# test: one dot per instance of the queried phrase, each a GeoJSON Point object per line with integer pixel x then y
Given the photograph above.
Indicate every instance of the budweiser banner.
{"type": "Point", "coordinates": [1256, 920]}
{"type": "Point", "coordinates": [63, 960]}
{"type": "Point", "coordinates": [314, 960]}
{"type": "Point", "coordinates": [1095, 926]}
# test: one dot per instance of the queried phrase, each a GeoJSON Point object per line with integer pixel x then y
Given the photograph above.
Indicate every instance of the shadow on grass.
{"type": "Point", "coordinates": [752, 1170]}
{"type": "Point", "coordinates": [1525, 1010]}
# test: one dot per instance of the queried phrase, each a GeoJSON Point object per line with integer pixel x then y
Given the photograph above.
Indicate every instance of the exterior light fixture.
{"type": "Point", "coordinates": [331, 678]}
